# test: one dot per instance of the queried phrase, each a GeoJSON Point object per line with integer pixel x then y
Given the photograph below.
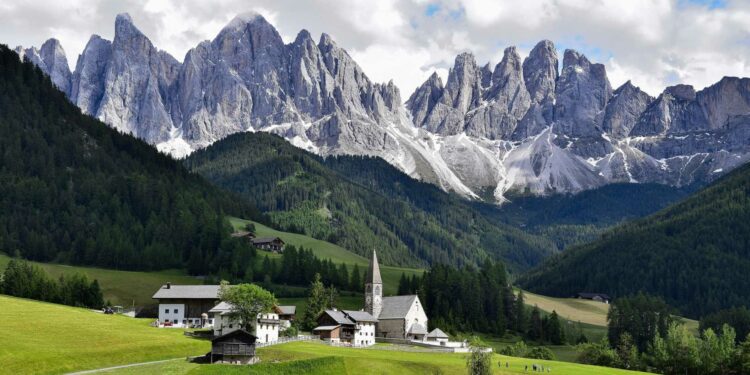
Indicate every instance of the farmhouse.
{"type": "Point", "coordinates": [186, 305]}
{"type": "Point", "coordinates": [354, 327]}
{"type": "Point", "coordinates": [266, 327]}
{"type": "Point", "coordinates": [237, 347]}
{"type": "Point", "coordinates": [599, 297]}
{"type": "Point", "coordinates": [273, 244]}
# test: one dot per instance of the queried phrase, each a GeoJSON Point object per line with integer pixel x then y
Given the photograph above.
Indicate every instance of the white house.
{"type": "Point", "coordinates": [345, 326]}
{"type": "Point", "coordinates": [266, 327]}
{"type": "Point", "coordinates": [184, 306]}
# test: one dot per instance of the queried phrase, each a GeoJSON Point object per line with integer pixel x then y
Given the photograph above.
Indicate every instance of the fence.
{"type": "Point", "coordinates": [283, 340]}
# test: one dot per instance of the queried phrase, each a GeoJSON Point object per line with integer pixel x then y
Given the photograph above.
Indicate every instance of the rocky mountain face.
{"type": "Point", "coordinates": [520, 126]}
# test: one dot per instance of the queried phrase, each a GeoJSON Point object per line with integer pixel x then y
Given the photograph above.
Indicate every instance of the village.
{"type": "Point", "coordinates": [399, 320]}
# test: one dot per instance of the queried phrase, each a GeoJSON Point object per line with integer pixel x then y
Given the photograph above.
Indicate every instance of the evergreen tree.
{"type": "Point", "coordinates": [519, 313]}
{"type": "Point", "coordinates": [554, 331]}
{"type": "Point", "coordinates": [403, 285]}
{"type": "Point", "coordinates": [316, 303]}
{"type": "Point", "coordinates": [536, 330]}
{"type": "Point", "coordinates": [356, 283]}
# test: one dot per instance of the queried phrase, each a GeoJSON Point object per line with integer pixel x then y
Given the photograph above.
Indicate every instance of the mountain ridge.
{"type": "Point", "coordinates": [522, 126]}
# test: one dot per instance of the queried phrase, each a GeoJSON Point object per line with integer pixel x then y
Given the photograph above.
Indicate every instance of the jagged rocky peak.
{"type": "Point", "coordinates": [682, 92]}
{"type": "Point", "coordinates": [507, 79]}
{"type": "Point", "coordinates": [51, 59]}
{"type": "Point", "coordinates": [486, 73]}
{"type": "Point", "coordinates": [582, 92]}
{"type": "Point", "coordinates": [463, 90]}
{"type": "Point", "coordinates": [540, 71]}
{"type": "Point", "coordinates": [626, 106]}
{"type": "Point", "coordinates": [87, 86]}
{"type": "Point", "coordinates": [424, 98]}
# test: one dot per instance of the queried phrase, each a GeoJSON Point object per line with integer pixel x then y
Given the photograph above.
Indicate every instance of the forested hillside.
{"type": "Point", "coordinates": [75, 191]}
{"type": "Point", "coordinates": [362, 204]}
{"type": "Point", "coordinates": [695, 254]}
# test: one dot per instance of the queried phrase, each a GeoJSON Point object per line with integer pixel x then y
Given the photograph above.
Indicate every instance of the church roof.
{"type": "Point", "coordinates": [396, 307]}
{"type": "Point", "coordinates": [373, 270]}
{"type": "Point", "coordinates": [437, 333]}
{"type": "Point", "coordinates": [417, 329]}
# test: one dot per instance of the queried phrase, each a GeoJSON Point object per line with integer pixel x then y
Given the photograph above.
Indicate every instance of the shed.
{"type": "Point", "coordinates": [437, 335]}
{"type": "Point", "coordinates": [235, 347]}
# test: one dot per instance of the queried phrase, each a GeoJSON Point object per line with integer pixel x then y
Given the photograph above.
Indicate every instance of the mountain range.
{"type": "Point", "coordinates": [523, 126]}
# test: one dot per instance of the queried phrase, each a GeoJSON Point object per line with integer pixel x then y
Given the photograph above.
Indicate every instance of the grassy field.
{"type": "Point", "coordinates": [119, 287]}
{"type": "Point", "coordinates": [327, 250]}
{"type": "Point", "coordinates": [576, 310]}
{"type": "Point", "coordinates": [317, 358]}
{"type": "Point", "coordinates": [45, 338]}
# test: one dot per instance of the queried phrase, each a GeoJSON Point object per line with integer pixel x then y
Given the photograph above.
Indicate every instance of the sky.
{"type": "Point", "coordinates": [653, 43]}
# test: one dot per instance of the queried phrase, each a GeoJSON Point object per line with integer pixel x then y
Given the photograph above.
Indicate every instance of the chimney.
{"type": "Point", "coordinates": [169, 285]}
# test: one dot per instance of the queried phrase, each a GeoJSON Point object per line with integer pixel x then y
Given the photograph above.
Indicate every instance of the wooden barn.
{"type": "Point", "coordinates": [236, 347]}
{"type": "Point", "coordinates": [273, 244]}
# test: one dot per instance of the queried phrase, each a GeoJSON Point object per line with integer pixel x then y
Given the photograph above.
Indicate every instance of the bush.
{"type": "Point", "coordinates": [518, 349]}
{"type": "Point", "coordinates": [540, 352]}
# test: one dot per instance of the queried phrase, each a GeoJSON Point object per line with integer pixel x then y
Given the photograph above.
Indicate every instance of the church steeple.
{"type": "Point", "coordinates": [373, 287]}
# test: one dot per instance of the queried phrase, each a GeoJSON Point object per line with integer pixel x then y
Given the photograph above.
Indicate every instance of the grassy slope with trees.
{"type": "Point", "coordinates": [361, 204]}
{"type": "Point", "coordinates": [694, 254]}
{"type": "Point", "coordinates": [73, 190]}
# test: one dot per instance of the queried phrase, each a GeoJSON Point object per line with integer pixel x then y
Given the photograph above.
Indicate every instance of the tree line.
{"type": "Point", "coordinates": [643, 334]}
{"type": "Point", "coordinates": [25, 280]}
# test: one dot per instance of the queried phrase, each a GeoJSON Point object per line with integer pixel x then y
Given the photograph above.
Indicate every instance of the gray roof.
{"type": "Point", "coordinates": [417, 329]}
{"type": "Point", "coordinates": [437, 333]}
{"type": "Point", "coordinates": [187, 292]}
{"type": "Point", "coordinates": [222, 307]}
{"type": "Point", "coordinates": [360, 316]}
{"type": "Point", "coordinates": [287, 310]}
{"type": "Point", "coordinates": [373, 271]}
{"type": "Point", "coordinates": [339, 317]}
{"type": "Point", "coordinates": [325, 328]}
{"type": "Point", "coordinates": [396, 307]}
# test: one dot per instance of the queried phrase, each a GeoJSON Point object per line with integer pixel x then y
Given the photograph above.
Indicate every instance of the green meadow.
{"type": "Point", "coordinates": [327, 250]}
{"type": "Point", "coordinates": [119, 287]}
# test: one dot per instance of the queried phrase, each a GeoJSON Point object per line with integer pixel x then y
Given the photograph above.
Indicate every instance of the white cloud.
{"type": "Point", "coordinates": [654, 43]}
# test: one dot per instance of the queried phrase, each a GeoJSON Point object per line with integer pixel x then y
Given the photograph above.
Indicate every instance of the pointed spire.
{"type": "Point", "coordinates": [373, 271]}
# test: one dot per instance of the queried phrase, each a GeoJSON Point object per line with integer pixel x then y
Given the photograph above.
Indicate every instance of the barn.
{"type": "Point", "coordinates": [236, 347]}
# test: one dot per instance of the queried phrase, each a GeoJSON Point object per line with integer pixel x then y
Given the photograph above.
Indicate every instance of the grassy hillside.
{"type": "Point", "coordinates": [44, 338]}
{"type": "Point", "coordinates": [327, 250]}
{"type": "Point", "coordinates": [694, 254]}
{"type": "Point", "coordinates": [119, 287]}
{"type": "Point", "coordinates": [317, 358]}
{"type": "Point", "coordinates": [362, 203]}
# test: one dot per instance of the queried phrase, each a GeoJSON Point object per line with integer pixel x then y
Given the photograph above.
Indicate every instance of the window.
{"type": "Point", "coordinates": [174, 321]}
{"type": "Point", "coordinates": [184, 321]}
{"type": "Point", "coordinates": [166, 311]}
{"type": "Point", "coordinates": [176, 311]}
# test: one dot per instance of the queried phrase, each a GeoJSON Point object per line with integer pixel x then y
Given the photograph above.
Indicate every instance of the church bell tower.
{"type": "Point", "coordinates": [373, 287]}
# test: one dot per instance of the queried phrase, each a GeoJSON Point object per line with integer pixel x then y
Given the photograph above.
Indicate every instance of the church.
{"type": "Point", "coordinates": [400, 317]}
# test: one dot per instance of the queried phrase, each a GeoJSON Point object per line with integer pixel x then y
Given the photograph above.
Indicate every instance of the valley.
{"type": "Point", "coordinates": [263, 201]}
